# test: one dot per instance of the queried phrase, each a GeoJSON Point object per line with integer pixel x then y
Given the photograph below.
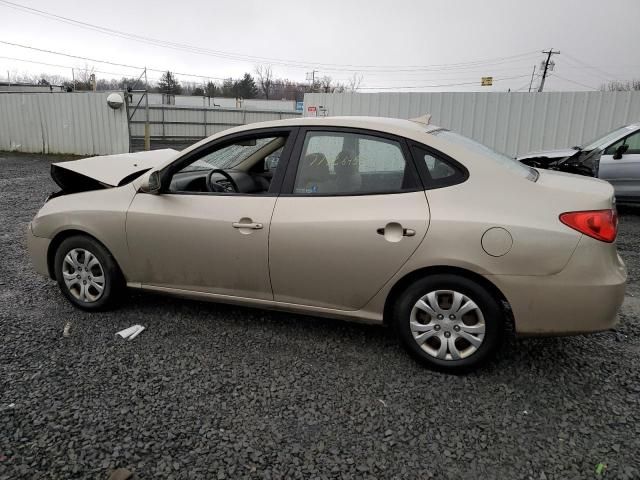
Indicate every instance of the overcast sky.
{"type": "Point", "coordinates": [391, 43]}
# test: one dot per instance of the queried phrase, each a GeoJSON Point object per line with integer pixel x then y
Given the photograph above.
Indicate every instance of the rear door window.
{"type": "Point", "coordinates": [335, 163]}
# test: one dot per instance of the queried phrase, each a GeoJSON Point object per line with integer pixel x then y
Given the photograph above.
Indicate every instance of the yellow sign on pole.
{"type": "Point", "coordinates": [486, 81]}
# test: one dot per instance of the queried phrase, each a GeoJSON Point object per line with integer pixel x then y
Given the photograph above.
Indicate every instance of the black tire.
{"type": "Point", "coordinates": [490, 307]}
{"type": "Point", "coordinates": [114, 284]}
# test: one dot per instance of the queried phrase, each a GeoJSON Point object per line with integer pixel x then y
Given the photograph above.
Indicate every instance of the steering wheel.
{"type": "Point", "coordinates": [215, 187]}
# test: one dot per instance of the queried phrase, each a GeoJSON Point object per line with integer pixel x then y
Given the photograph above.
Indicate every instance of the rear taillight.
{"type": "Point", "coordinates": [599, 224]}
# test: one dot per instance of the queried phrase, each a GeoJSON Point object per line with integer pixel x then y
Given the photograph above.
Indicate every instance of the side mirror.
{"type": "Point", "coordinates": [621, 150]}
{"type": "Point", "coordinates": [152, 184]}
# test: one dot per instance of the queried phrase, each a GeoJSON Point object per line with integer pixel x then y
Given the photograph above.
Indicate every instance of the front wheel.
{"type": "Point", "coordinates": [87, 274]}
{"type": "Point", "coordinates": [448, 322]}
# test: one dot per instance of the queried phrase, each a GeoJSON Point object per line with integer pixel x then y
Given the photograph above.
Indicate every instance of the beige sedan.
{"type": "Point", "coordinates": [368, 219]}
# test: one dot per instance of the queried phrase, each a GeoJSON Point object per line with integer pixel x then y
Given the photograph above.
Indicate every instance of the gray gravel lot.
{"type": "Point", "coordinates": [213, 391]}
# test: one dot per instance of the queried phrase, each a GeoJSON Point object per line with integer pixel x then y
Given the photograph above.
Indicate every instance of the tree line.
{"type": "Point", "coordinates": [261, 84]}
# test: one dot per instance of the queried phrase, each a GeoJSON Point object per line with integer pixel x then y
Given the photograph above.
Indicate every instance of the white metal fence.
{"type": "Point", "coordinates": [198, 101]}
{"type": "Point", "coordinates": [172, 122]}
{"type": "Point", "coordinates": [73, 123]}
{"type": "Point", "coordinates": [512, 123]}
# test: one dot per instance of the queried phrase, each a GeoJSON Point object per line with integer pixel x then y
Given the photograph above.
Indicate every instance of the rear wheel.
{"type": "Point", "coordinates": [87, 274]}
{"type": "Point", "coordinates": [448, 322]}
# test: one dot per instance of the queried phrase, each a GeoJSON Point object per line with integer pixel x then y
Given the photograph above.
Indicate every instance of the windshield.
{"type": "Point", "coordinates": [509, 163]}
{"type": "Point", "coordinates": [609, 137]}
{"type": "Point", "coordinates": [229, 156]}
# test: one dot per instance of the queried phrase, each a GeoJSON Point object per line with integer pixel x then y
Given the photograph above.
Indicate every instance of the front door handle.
{"type": "Point", "coordinates": [406, 232]}
{"type": "Point", "coordinates": [253, 226]}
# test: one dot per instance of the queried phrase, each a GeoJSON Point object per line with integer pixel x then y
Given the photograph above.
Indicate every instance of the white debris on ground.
{"type": "Point", "coordinates": [131, 332]}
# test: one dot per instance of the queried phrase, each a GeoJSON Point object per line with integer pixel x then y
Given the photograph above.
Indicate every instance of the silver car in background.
{"type": "Point", "coordinates": [614, 157]}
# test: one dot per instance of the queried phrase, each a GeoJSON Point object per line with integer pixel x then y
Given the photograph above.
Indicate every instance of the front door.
{"type": "Point", "coordinates": [624, 172]}
{"type": "Point", "coordinates": [354, 213]}
{"type": "Point", "coordinates": [194, 239]}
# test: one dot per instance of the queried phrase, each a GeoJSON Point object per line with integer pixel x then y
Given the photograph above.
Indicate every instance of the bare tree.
{"type": "Point", "coordinates": [619, 86]}
{"type": "Point", "coordinates": [83, 78]}
{"type": "Point", "coordinates": [264, 76]}
{"type": "Point", "coordinates": [326, 84]}
{"type": "Point", "coordinates": [353, 84]}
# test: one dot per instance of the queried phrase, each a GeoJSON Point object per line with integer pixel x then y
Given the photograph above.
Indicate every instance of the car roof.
{"type": "Point", "coordinates": [383, 124]}
{"type": "Point", "coordinates": [416, 128]}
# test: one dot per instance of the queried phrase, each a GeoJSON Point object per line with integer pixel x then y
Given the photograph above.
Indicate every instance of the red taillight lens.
{"type": "Point", "coordinates": [599, 224]}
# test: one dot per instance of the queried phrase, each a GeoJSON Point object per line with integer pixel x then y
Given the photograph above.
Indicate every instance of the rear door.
{"type": "Point", "coordinates": [351, 213]}
{"type": "Point", "coordinates": [623, 173]}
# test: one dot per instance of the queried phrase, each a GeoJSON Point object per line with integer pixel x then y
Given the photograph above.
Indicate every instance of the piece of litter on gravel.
{"type": "Point", "coordinates": [11, 405]}
{"type": "Point", "coordinates": [67, 329]}
{"type": "Point", "coordinates": [382, 402]}
{"type": "Point", "coordinates": [600, 468]}
{"type": "Point", "coordinates": [131, 332]}
{"type": "Point", "coordinates": [138, 332]}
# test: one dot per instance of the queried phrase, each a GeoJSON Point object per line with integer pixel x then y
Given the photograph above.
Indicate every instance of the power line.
{"type": "Point", "coordinates": [107, 62]}
{"type": "Point", "coordinates": [441, 85]}
{"type": "Point", "coordinates": [606, 75]}
{"type": "Point", "coordinates": [573, 81]}
{"type": "Point", "coordinates": [253, 58]}
{"type": "Point", "coordinates": [62, 66]}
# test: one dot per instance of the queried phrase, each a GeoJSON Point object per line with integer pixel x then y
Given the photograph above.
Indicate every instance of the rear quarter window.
{"type": "Point", "coordinates": [437, 170]}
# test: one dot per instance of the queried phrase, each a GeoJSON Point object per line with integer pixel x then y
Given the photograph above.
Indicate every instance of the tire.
{"type": "Point", "coordinates": [471, 335]}
{"type": "Point", "coordinates": [78, 262]}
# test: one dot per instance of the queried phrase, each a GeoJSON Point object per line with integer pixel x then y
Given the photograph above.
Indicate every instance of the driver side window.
{"type": "Point", "coordinates": [243, 166]}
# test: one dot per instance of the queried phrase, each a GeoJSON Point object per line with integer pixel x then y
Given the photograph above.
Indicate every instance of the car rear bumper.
{"type": "Point", "coordinates": [584, 297]}
{"type": "Point", "coordinates": [38, 248]}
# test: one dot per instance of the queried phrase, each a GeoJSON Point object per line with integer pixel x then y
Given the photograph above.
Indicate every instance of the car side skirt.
{"type": "Point", "coordinates": [360, 316]}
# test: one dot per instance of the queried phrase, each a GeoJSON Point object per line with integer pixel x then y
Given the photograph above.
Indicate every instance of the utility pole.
{"type": "Point", "coordinates": [532, 74]}
{"type": "Point", "coordinates": [546, 66]}
{"type": "Point", "coordinates": [312, 76]}
{"type": "Point", "coordinates": [147, 133]}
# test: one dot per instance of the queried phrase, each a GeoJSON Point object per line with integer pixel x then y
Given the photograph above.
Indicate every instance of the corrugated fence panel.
{"type": "Point", "coordinates": [511, 122]}
{"type": "Point", "coordinates": [172, 121]}
{"type": "Point", "coordinates": [72, 123]}
{"type": "Point", "coordinates": [197, 101]}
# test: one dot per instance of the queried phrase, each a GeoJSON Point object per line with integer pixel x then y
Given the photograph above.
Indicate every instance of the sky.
{"type": "Point", "coordinates": [393, 45]}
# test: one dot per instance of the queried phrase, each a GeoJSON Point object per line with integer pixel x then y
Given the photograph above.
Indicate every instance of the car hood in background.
{"type": "Point", "coordinates": [561, 153]}
{"type": "Point", "coordinates": [106, 170]}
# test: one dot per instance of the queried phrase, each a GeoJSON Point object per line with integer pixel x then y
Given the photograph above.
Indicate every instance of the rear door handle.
{"type": "Point", "coordinates": [253, 226]}
{"type": "Point", "coordinates": [406, 232]}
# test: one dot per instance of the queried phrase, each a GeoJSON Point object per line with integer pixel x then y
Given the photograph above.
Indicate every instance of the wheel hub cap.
{"type": "Point", "coordinates": [447, 325]}
{"type": "Point", "coordinates": [83, 275]}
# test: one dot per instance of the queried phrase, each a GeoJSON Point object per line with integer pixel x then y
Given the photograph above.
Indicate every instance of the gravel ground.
{"type": "Point", "coordinates": [213, 391]}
